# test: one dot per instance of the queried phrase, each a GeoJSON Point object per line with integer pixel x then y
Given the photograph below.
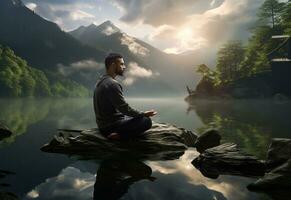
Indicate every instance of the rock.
{"type": "Point", "coordinates": [209, 139]}
{"type": "Point", "coordinates": [227, 159]}
{"type": "Point", "coordinates": [279, 152]}
{"type": "Point", "coordinates": [277, 179]}
{"type": "Point", "coordinates": [4, 131]}
{"type": "Point", "coordinates": [161, 142]}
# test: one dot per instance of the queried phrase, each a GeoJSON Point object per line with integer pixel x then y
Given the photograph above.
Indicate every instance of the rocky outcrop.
{"type": "Point", "coordinates": [161, 142]}
{"type": "Point", "coordinates": [209, 139]}
{"type": "Point", "coordinates": [277, 179]}
{"type": "Point", "coordinates": [4, 131]}
{"type": "Point", "coordinates": [278, 167]}
{"type": "Point", "coordinates": [279, 152]}
{"type": "Point", "coordinates": [227, 159]}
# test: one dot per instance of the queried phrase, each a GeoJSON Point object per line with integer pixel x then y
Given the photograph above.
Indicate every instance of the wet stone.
{"type": "Point", "coordinates": [277, 179]}
{"type": "Point", "coordinates": [279, 152]}
{"type": "Point", "coordinates": [161, 142]}
{"type": "Point", "coordinates": [209, 139]}
{"type": "Point", "coordinates": [227, 159]}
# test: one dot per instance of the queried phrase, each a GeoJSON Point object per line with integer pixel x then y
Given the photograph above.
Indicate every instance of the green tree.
{"type": "Point", "coordinates": [286, 18]}
{"type": "Point", "coordinates": [271, 11]}
{"type": "Point", "coordinates": [229, 60]}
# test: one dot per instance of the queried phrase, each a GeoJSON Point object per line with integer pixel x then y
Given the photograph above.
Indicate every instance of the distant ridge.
{"type": "Point", "coordinates": [42, 43]}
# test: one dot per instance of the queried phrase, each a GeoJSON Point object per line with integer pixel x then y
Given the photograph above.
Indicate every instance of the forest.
{"type": "Point", "coordinates": [237, 61]}
{"type": "Point", "coordinates": [18, 79]}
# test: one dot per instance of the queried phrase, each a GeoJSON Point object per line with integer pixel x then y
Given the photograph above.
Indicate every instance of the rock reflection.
{"type": "Point", "coordinates": [115, 176]}
{"type": "Point", "coordinates": [4, 194]}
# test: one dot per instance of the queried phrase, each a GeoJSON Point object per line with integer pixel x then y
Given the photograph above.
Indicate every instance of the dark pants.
{"type": "Point", "coordinates": [129, 127]}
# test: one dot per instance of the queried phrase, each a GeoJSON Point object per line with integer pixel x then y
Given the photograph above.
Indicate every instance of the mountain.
{"type": "Point", "coordinates": [42, 43]}
{"type": "Point", "coordinates": [79, 55]}
{"type": "Point", "coordinates": [174, 70]}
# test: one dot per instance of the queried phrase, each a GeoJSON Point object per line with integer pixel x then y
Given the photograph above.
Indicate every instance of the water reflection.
{"type": "Point", "coordinates": [250, 124]}
{"type": "Point", "coordinates": [19, 114]}
{"type": "Point", "coordinates": [48, 176]}
{"type": "Point", "coordinates": [4, 186]}
{"type": "Point", "coordinates": [115, 176]}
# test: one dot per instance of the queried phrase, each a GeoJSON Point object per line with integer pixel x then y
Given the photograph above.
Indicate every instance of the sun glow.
{"type": "Point", "coordinates": [185, 34]}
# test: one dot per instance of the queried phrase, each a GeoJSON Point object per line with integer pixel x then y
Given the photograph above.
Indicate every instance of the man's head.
{"type": "Point", "coordinates": [114, 63]}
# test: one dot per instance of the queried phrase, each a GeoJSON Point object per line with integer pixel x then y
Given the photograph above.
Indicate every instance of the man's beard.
{"type": "Point", "coordinates": [120, 73]}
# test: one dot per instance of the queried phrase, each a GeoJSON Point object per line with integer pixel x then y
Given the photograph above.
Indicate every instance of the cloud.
{"type": "Point", "coordinates": [109, 30]}
{"type": "Point", "coordinates": [79, 15]}
{"type": "Point", "coordinates": [66, 14]}
{"type": "Point", "coordinates": [135, 72]}
{"type": "Point", "coordinates": [70, 183]}
{"type": "Point", "coordinates": [133, 46]}
{"type": "Point", "coordinates": [31, 6]}
{"type": "Point", "coordinates": [83, 65]}
{"type": "Point", "coordinates": [159, 12]}
{"type": "Point", "coordinates": [87, 69]}
{"type": "Point", "coordinates": [170, 25]}
{"type": "Point", "coordinates": [223, 20]}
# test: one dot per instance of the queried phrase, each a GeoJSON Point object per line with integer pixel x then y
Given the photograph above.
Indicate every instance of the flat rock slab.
{"type": "Point", "coordinates": [227, 159]}
{"type": "Point", "coordinates": [161, 142]}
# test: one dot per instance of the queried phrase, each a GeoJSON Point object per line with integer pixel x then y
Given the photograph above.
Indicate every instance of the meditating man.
{"type": "Point", "coordinates": [114, 117]}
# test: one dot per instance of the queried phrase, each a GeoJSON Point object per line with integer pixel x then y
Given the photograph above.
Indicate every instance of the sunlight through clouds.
{"type": "Point", "coordinates": [171, 26]}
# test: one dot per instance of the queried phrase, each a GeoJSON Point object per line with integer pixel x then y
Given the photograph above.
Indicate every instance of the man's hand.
{"type": "Point", "coordinates": [150, 113]}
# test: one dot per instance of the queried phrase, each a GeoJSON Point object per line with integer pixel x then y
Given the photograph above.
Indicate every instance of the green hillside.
{"type": "Point", "coordinates": [17, 79]}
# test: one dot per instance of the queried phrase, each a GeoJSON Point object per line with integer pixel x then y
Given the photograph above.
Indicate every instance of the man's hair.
{"type": "Point", "coordinates": [111, 58]}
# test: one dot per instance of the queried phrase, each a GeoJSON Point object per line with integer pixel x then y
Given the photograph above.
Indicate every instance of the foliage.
{"type": "Point", "coordinates": [235, 62]}
{"type": "Point", "coordinates": [17, 79]}
{"type": "Point", "coordinates": [230, 56]}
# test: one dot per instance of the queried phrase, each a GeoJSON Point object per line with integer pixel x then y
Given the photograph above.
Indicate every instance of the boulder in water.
{"type": "Point", "coordinates": [279, 152]}
{"type": "Point", "coordinates": [209, 139]}
{"type": "Point", "coordinates": [277, 179]}
{"type": "Point", "coordinates": [227, 159]}
{"type": "Point", "coordinates": [161, 142]}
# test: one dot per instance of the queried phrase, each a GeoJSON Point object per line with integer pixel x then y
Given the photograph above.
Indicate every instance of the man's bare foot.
{"type": "Point", "coordinates": [114, 136]}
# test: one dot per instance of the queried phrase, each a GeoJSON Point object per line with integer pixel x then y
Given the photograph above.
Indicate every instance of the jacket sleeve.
{"type": "Point", "coordinates": [118, 101]}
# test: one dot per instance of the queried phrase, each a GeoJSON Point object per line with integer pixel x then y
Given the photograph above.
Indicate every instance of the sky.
{"type": "Point", "coordinates": [173, 26]}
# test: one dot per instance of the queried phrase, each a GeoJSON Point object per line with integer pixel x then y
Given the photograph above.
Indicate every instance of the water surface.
{"type": "Point", "coordinates": [38, 175]}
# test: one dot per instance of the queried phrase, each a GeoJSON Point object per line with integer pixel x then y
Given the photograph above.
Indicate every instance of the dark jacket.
{"type": "Point", "coordinates": [109, 104]}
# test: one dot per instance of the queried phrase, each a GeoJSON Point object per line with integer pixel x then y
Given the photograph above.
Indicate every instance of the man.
{"type": "Point", "coordinates": [114, 117]}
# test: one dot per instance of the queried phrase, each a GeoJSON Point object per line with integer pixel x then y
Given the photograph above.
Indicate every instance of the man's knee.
{"type": "Point", "coordinates": [147, 122]}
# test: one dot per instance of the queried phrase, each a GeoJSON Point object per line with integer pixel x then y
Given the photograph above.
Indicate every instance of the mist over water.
{"type": "Point", "coordinates": [250, 124]}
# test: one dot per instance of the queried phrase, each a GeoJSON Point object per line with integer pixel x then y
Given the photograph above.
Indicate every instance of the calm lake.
{"type": "Point", "coordinates": [38, 175]}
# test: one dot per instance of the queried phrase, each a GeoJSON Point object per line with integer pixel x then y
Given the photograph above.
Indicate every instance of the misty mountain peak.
{"type": "Point", "coordinates": [108, 28]}
{"type": "Point", "coordinates": [91, 26]}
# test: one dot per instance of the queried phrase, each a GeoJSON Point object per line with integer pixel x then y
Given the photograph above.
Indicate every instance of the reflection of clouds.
{"type": "Point", "coordinates": [231, 187]}
{"type": "Point", "coordinates": [135, 71]}
{"type": "Point", "coordinates": [70, 183]}
{"type": "Point", "coordinates": [133, 46]}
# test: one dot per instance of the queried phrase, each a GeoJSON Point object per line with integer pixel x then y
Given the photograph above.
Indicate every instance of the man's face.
{"type": "Point", "coordinates": [119, 66]}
